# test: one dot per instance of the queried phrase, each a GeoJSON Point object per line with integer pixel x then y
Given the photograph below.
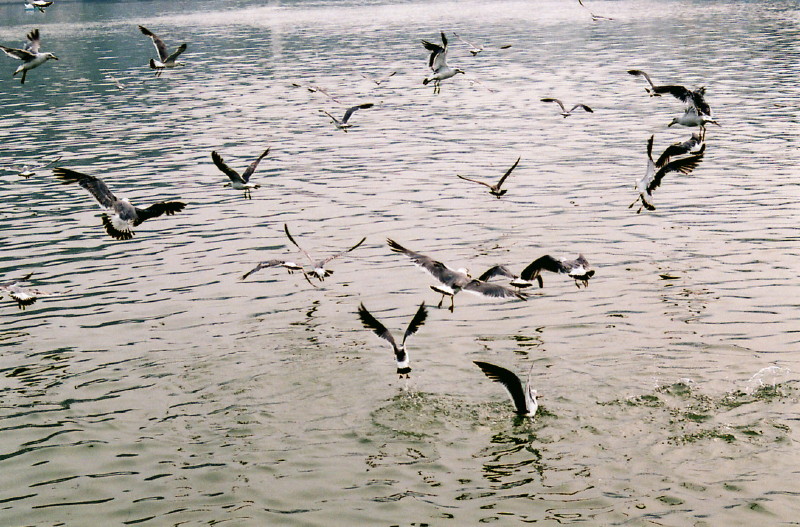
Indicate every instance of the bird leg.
{"type": "Point", "coordinates": [452, 299]}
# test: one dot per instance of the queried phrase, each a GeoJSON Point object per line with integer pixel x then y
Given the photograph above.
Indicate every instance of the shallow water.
{"type": "Point", "coordinates": [159, 389]}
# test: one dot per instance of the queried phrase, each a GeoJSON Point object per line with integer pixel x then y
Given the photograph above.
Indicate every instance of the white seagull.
{"type": "Point", "coordinates": [495, 190]}
{"type": "Point", "coordinates": [400, 353]}
{"type": "Point", "coordinates": [564, 111]}
{"type": "Point", "coordinates": [472, 48]}
{"type": "Point", "coordinates": [21, 295]}
{"type": "Point", "coordinates": [239, 182]}
{"type": "Point", "coordinates": [315, 89]}
{"type": "Point", "coordinates": [452, 281]}
{"type": "Point", "coordinates": [30, 56]}
{"type": "Point", "coordinates": [343, 125]}
{"type": "Point", "coordinates": [27, 171]}
{"type": "Point", "coordinates": [652, 178]}
{"type": "Point", "coordinates": [40, 4]}
{"type": "Point", "coordinates": [286, 264]}
{"type": "Point", "coordinates": [577, 269]}
{"type": "Point", "coordinates": [123, 216]}
{"type": "Point", "coordinates": [438, 64]}
{"type": "Point", "coordinates": [524, 398]}
{"type": "Point", "coordinates": [595, 18]}
{"type": "Point", "coordinates": [165, 59]}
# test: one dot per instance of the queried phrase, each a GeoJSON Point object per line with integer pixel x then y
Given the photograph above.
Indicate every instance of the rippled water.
{"type": "Point", "coordinates": [159, 389]}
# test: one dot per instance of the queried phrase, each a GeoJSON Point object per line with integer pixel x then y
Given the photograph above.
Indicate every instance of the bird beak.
{"type": "Point", "coordinates": [55, 57]}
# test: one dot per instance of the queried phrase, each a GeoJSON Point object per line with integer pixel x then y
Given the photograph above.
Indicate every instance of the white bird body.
{"type": "Point", "coordinates": [438, 64]}
{"type": "Point", "coordinates": [691, 117]}
{"type": "Point", "coordinates": [400, 352]}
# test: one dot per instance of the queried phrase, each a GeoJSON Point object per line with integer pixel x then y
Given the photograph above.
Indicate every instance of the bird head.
{"type": "Point", "coordinates": [51, 56]}
{"type": "Point", "coordinates": [460, 71]}
{"type": "Point", "coordinates": [674, 121]}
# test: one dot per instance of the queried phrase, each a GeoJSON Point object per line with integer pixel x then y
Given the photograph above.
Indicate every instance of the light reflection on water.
{"type": "Point", "coordinates": [159, 388]}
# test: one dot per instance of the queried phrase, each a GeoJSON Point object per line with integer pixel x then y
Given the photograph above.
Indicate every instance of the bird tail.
{"type": "Point", "coordinates": [425, 81]}
{"type": "Point", "coordinates": [152, 64]}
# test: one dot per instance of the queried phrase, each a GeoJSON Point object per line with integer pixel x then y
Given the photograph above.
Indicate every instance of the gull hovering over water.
{"type": "Point", "coordinates": [452, 281]}
{"type": "Point", "coordinates": [120, 217]}
{"type": "Point", "coordinates": [30, 55]}
{"type": "Point", "coordinates": [524, 398]}
{"type": "Point", "coordinates": [343, 125]}
{"type": "Point", "coordinates": [165, 59]}
{"type": "Point", "coordinates": [564, 111]}
{"type": "Point", "coordinates": [23, 296]}
{"type": "Point", "coordinates": [577, 269]}
{"type": "Point", "coordinates": [239, 182]}
{"type": "Point", "coordinates": [438, 64]}
{"type": "Point", "coordinates": [495, 190]}
{"type": "Point", "coordinates": [652, 178]}
{"type": "Point", "coordinates": [400, 353]}
{"type": "Point", "coordinates": [27, 171]}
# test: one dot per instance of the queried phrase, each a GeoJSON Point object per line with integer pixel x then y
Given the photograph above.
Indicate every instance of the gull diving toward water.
{"type": "Point", "coordinates": [21, 295]}
{"type": "Point", "coordinates": [318, 269]}
{"type": "Point", "coordinates": [524, 398]}
{"type": "Point", "coordinates": [652, 178]}
{"type": "Point", "coordinates": [239, 182]}
{"type": "Point", "coordinates": [165, 59]}
{"type": "Point", "coordinates": [400, 353]}
{"type": "Point", "coordinates": [453, 281]}
{"type": "Point", "coordinates": [27, 171]}
{"type": "Point", "coordinates": [30, 56]}
{"type": "Point", "coordinates": [472, 48]}
{"type": "Point", "coordinates": [564, 111]}
{"type": "Point", "coordinates": [343, 125]}
{"type": "Point", "coordinates": [577, 269]}
{"type": "Point", "coordinates": [495, 190]}
{"type": "Point", "coordinates": [120, 216]}
{"type": "Point", "coordinates": [438, 64]}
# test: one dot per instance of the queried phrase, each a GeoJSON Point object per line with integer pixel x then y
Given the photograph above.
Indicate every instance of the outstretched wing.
{"type": "Point", "coordinates": [438, 56]}
{"type": "Point", "coordinates": [176, 54]}
{"type": "Point", "coordinates": [372, 323]}
{"type": "Point", "coordinates": [416, 322]}
{"type": "Point", "coordinates": [352, 109]}
{"type": "Point", "coordinates": [684, 166]}
{"type": "Point", "coordinates": [20, 54]}
{"type": "Point", "coordinates": [640, 73]}
{"type": "Point", "coordinates": [497, 270]}
{"type": "Point", "coordinates": [544, 263]}
{"type": "Point", "coordinates": [508, 172]}
{"type": "Point", "coordinates": [161, 48]}
{"type": "Point", "coordinates": [679, 92]}
{"type": "Point", "coordinates": [33, 41]}
{"type": "Point", "coordinates": [437, 269]}
{"type": "Point", "coordinates": [157, 209]}
{"type": "Point", "coordinates": [492, 290]}
{"type": "Point", "coordinates": [252, 168]}
{"type": "Point", "coordinates": [228, 171]}
{"type": "Point", "coordinates": [583, 106]}
{"type": "Point", "coordinates": [94, 185]}
{"type": "Point", "coordinates": [329, 258]}
{"type": "Point", "coordinates": [475, 181]}
{"type": "Point", "coordinates": [262, 265]}
{"type": "Point", "coordinates": [508, 379]}
{"type": "Point", "coordinates": [289, 235]}
{"type": "Point", "coordinates": [550, 99]}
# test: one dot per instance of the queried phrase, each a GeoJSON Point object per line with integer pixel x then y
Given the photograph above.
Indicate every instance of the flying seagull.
{"type": "Point", "coordinates": [691, 117]}
{"type": "Point", "coordinates": [524, 398]}
{"type": "Point", "coordinates": [452, 281]}
{"type": "Point", "coordinates": [343, 125]}
{"type": "Point", "coordinates": [40, 4]}
{"type": "Point", "coordinates": [652, 178]}
{"type": "Point", "coordinates": [165, 59]}
{"type": "Point", "coordinates": [21, 295]}
{"type": "Point", "coordinates": [400, 353]}
{"type": "Point", "coordinates": [495, 190]}
{"type": "Point", "coordinates": [381, 80]}
{"type": "Point", "coordinates": [595, 18]}
{"type": "Point", "coordinates": [438, 64]}
{"type": "Point", "coordinates": [472, 48]}
{"type": "Point", "coordinates": [29, 56]}
{"type": "Point", "coordinates": [693, 98]}
{"type": "Point", "coordinates": [564, 111]}
{"type": "Point", "coordinates": [690, 146]}
{"type": "Point", "coordinates": [577, 269]}
{"type": "Point", "coordinates": [27, 171]}
{"type": "Point", "coordinates": [315, 89]}
{"type": "Point", "coordinates": [318, 269]}
{"type": "Point", "coordinates": [239, 182]}
{"type": "Point", "coordinates": [120, 216]}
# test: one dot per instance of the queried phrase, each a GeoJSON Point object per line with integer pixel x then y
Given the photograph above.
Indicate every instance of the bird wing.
{"type": "Point", "coordinates": [678, 149]}
{"type": "Point", "coordinates": [438, 56]}
{"type": "Point", "coordinates": [497, 270]}
{"type": "Point", "coordinates": [372, 323]}
{"type": "Point", "coordinates": [684, 166]}
{"type": "Point", "coordinates": [508, 379]}
{"type": "Point", "coordinates": [228, 171]}
{"type": "Point", "coordinates": [53, 162]}
{"type": "Point", "coordinates": [352, 109]}
{"type": "Point", "coordinates": [176, 54]}
{"type": "Point", "coordinates": [157, 209]}
{"type": "Point", "coordinates": [94, 185]}
{"type": "Point", "coordinates": [509, 171]}
{"type": "Point", "coordinates": [550, 99]}
{"type": "Point", "coordinates": [643, 74]}
{"type": "Point", "coordinates": [465, 42]}
{"type": "Point", "coordinates": [263, 265]}
{"type": "Point", "coordinates": [288, 234]}
{"type": "Point", "coordinates": [33, 41]}
{"type": "Point", "coordinates": [437, 269]}
{"type": "Point", "coordinates": [20, 54]}
{"type": "Point", "coordinates": [335, 120]}
{"type": "Point", "coordinates": [581, 106]}
{"type": "Point", "coordinates": [679, 92]}
{"type": "Point", "coordinates": [252, 168]}
{"type": "Point", "coordinates": [492, 290]}
{"type": "Point", "coordinates": [161, 48]}
{"type": "Point", "coordinates": [543, 263]}
{"type": "Point", "coordinates": [700, 103]}
{"type": "Point", "coordinates": [416, 322]}
{"type": "Point", "coordinates": [650, 148]}
{"type": "Point", "coordinates": [329, 258]}
{"type": "Point", "coordinates": [475, 181]}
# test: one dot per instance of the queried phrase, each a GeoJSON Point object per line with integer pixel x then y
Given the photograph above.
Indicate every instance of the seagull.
{"type": "Point", "coordinates": [577, 269]}
{"type": "Point", "coordinates": [690, 146]}
{"type": "Point", "coordinates": [472, 48]}
{"type": "Point", "coordinates": [123, 215]}
{"type": "Point", "coordinates": [438, 64]}
{"type": "Point", "coordinates": [495, 190]}
{"type": "Point", "coordinates": [239, 182]}
{"type": "Point", "coordinates": [315, 89]}
{"type": "Point", "coordinates": [454, 281]}
{"type": "Point", "coordinates": [400, 353]}
{"type": "Point", "coordinates": [318, 270]}
{"type": "Point", "coordinates": [30, 56]}
{"type": "Point", "coordinates": [381, 80]}
{"type": "Point", "coordinates": [595, 18]}
{"type": "Point", "coordinates": [27, 171]}
{"type": "Point", "coordinates": [40, 4]}
{"type": "Point", "coordinates": [564, 111]}
{"type": "Point", "coordinates": [652, 178]}
{"type": "Point", "coordinates": [23, 296]}
{"type": "Point", "coordinates": [343, 125]}
{"type": "Point", "coordinates": [524, 398]}
{"type": "Point", "coordinates": [116, 81]}
{"type": "Point", "coordinates": [289, 266]}
{"type": "Point", "coordinates": [694, 98]}
{"type": "Point", "coordinates": [691, 117]}
{"type": "Point", "coordinates": [165, 60]}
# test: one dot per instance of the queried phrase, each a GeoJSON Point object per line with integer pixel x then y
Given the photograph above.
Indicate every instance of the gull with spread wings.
{"type": "Point", "coordinates": [577, 269]}
{"type": "Point", "coordinates": [30, 55]}
{"type": "Point", "coordinates": [400, 353]}
{"type": "Point", "coordinates": [343, 124]}
{"type": "Point", "coordinates": [524, 397]}
{"type": "Point", "coordinates": [495, 190]}
{"type": "Point", "coordinates": [239, 181]}
{"type": "Point", "coordinates": [165, 59]}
